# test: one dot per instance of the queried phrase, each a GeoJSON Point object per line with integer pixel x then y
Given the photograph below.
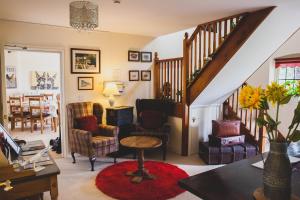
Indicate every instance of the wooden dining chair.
{"type": "Point", "coordinates": [38, 114]}
{"type": "Point", "coordinates": [48, 97]}
{"type": "Point", "coordinates": [17, 113]}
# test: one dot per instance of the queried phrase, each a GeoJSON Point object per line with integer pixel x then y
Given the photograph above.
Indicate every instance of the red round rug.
{"type": "Point", "coordinates": [113, 182]}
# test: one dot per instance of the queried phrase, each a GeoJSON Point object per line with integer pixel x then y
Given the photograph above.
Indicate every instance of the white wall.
{"type": "Point", "coordinates": [28, 61]}
{"type": "Point", "coordinates": [266, 74]}
{"type": "Point", "coordinates": [114, 64]}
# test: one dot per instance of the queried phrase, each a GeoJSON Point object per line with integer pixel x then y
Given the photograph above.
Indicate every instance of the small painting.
{"type": "Point", "coordinates": [146, 75]}
{"type": "Point", "coordinates": [85, 83]}
{"type": "Point", "coordinates": [134, 75]}
{"type": "Point", "coordinates": [133, 56]}
{"type": "Point", "coordinates": [146, 56]}
{"type": "Point", "coordinates": [85, 61]}
{"type": "Point", "coordinates": [41, 80]}
{"type": "Point", "coordinates": [11, 77]}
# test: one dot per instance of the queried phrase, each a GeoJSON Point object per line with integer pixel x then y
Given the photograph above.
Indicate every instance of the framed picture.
{"type": "Point", "coordinates": [134, 56]}
{"type": "Point", "coordinates": [85, 61]}
{"type": "Point", "coordinates": [11, 77]}
{"type": "Point", "coordinates": [146, 75]}
{"type": "Point", "coordinates": [134, 75]}
{"type": "Point", "coordinates": [85, 83]}
{"type": "Point", "coordinates": [43, 80]}
{"type": "Point", "coordinates": [146, 56]}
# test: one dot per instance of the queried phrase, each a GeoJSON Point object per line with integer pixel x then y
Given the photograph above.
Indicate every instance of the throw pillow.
{"type": "Point", "coordinates": [87, 123]}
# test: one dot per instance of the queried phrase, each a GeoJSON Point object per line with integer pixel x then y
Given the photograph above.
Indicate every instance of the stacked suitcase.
{"type": "Point", "coordinates": [226, 144]}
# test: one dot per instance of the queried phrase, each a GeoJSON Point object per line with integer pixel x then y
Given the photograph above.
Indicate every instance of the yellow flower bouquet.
{"type": "Point", "coordinates": [276, 94]}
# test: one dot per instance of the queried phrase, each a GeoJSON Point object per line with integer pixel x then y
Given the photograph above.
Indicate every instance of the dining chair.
{"type": "Point", "coordinates": [17, 113]}
{"type": "Point", "coordinates": [48, 97]}
{"type": "Point", "coordinates": [38, 113]}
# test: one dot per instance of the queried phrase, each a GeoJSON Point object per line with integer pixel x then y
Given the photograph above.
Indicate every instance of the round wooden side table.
{"type": "Point", "coordinates": [140, 143]}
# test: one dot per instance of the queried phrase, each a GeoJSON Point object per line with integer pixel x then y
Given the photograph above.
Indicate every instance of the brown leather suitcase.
{"type": "Point", "coordinates": [225, 128]}
{"type": "Point", "coordinates": [214, 155]}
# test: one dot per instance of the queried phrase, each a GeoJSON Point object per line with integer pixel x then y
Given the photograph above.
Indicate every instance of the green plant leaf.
{"type": "Point", "coordinates": [261, 121]}
{"type": "Point", "coordinates": [296, 118]}
{"type": "Point", "coordinates": [295, 137]}
{"type": "Point", "coordinates": [272, 124]}
{"type": "Point", "coordinates": [264, 104]}
{"type": "Point", "coordinates": [285, 100]}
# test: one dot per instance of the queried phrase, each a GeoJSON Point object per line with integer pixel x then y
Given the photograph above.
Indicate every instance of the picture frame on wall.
{"type": "Point", "coordinates": [146, 56]}
{"type": "Point", "coordinates": [11, 77]}
{"type": "Point", "coordinates": [134, 75]}
{"type": "Point", "coordinates": [85, 61]}
{"type": "Point", "coordinates": [133, 56]}
{"type": "Point", "coordinates": [146, 75]}
{"type": "Point", "coordinates": [85, 83]}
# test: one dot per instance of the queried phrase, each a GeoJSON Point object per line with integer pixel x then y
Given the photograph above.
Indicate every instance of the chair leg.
{"type": "Point", "coordinates": [22, 124]}
{"type": "Point", "coordinates": [164, 148]}
{"type": "Point", "coordinates": [73, 156]}
{"type": "Point", "coordinates": [165, 152]}
{"type": "Point", "coordinates": [42, 126]}
{"type": "Point", "coordinates": [92, 160]}
{"type": "Point", "coordinates": [115, 159]}
{"type": "Point", "coordinates": [134, 155]}
{"type": "Point", "coordinates": [31, 125]}
{"type": "Point", "coordinates": [13, 123]}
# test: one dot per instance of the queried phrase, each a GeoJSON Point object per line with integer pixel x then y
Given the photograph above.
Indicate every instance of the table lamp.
{"type": "Point", "coordinates": [111, 89]}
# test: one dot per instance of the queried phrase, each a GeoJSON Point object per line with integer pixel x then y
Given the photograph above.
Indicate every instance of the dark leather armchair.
{"type": "Point", "coordinates": [152, 118]}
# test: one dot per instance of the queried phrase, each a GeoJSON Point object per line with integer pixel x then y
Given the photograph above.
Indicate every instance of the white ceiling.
{"type": "Point", "coordinates": [142, 17]}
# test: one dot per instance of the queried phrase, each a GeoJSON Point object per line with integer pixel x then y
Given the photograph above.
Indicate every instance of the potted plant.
{"type": "Point", "coordinates": [277, 168]}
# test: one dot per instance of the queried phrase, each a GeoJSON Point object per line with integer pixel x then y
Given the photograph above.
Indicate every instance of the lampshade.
{"type": "Point", "coordinates": [110, 89]}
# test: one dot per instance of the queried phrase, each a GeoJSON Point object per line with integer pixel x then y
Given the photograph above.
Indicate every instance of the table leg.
{"type": "Point", "coordinates": [141, 173]}
{"type": "Point", "coordinates": [53, 188]}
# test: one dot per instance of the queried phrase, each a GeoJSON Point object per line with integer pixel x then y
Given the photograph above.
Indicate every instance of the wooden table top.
{"type": "Point", "coordinates": [141, 142]}
{"type": "Point", "coordinates": [236, 181]}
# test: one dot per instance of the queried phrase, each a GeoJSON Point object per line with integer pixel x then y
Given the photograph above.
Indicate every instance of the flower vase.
{"type": "Point", "coordinates": [277, 173]}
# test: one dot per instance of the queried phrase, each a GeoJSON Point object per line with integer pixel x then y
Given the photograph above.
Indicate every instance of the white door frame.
{"type": "Point", "coordinates": [61, 51]}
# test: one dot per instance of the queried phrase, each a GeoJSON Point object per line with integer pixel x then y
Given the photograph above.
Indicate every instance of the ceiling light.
{"type": "Point", "coordinates": [83, 15]}
{"type": "Point", "coordinates": [117, 1]}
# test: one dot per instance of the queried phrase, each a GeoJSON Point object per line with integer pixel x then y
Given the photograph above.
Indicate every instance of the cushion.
{"type": "Point", "coordinates": [225, 128]}
{"type": "Point", "coordinates": [87, 123]}
{"type": "Point", "coordinates": [151, 119]}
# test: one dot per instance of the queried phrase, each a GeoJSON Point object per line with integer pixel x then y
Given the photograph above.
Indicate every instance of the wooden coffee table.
{"type": "Point", "coordinates": [140, 143]}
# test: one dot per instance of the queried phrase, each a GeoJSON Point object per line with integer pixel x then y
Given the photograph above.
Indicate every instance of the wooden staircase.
{"type": "Point", "coordinates": [205, 53]}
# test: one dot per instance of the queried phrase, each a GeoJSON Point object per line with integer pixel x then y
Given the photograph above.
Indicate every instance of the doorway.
{"type": "Point", "coordinates": [33, 94]}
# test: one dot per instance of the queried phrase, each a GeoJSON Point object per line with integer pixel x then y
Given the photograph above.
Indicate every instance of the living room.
{"type": "Point", "coordinates": [123, 49]}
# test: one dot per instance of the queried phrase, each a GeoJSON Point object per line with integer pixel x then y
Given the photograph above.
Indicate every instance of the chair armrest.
{"type": "Point", "coordinates": [82, 135]}
{"type": "Point", "coordinates": [108, 130]}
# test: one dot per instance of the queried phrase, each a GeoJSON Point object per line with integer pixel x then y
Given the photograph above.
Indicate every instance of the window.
{"type": "Point", "coordinates": [288, 70]}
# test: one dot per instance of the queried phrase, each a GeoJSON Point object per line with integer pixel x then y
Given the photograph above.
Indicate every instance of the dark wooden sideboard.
{"type": "Point", "coordinates": [236, 181]}
{"type": "Point", "coordinates": [32, 184]}
{"type": "Point", "coordinates": [119, 116]}
{"type": "Point", "coordinates": [122, 117]}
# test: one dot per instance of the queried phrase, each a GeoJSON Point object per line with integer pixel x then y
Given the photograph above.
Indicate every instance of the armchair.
{"type": "Point", "coordinates": [152, 118]}
{"type": "Point", "coordinates": [87, 135]}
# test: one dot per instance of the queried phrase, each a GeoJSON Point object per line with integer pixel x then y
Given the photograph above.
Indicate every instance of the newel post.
{"type": "Point", "coordinates": [185, 107]}
{"type": "Point", "coordinates": [156, 77]}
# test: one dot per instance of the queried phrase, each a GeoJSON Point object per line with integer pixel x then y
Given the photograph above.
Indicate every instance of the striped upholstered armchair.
{"type": "Point", "coordinates": [95, 142]}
